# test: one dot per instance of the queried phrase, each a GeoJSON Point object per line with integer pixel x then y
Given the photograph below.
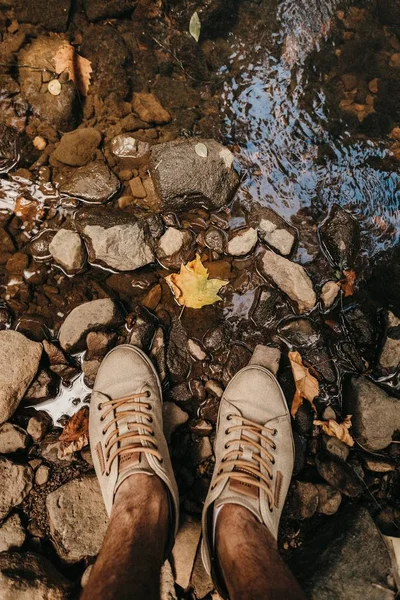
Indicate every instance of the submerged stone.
{"type": "Point", "coordinates": [94, 183]}
{"type": "Point", "coordinates": [340, 237]}
{"type": "Point", "coordinates": [77, 148]}
{"type": "Point", "coordinates": [273, 229]}
{"type": "Point", "coordinates": [9, 148]}
{"type": "Point", "coordinates": [67, 250]}
{"type": "Point", "coordinates": [184, 178]}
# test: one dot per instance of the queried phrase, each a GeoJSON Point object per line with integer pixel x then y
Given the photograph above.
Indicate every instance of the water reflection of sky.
{"type": "Point", "coordinates": [280, 139]}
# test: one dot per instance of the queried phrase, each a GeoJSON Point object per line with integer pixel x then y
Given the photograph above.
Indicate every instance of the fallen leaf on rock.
{"type": "Point", "coordinates": [201, 150]}
{"type": "Point", "coordinates": [195, 26]}
{"type": "Point", "coordinates": [192, 288]}
{"type": "Point", "coordinates": [338, 430]}
{"type": "Point", "coordinates": [348, 284]}
{"type": "Point", "coordinates": [307, 386]}
{"type": "Point", "coordinates": [78, 68]}
{"type": "Point", "coordinates": [76, 433]}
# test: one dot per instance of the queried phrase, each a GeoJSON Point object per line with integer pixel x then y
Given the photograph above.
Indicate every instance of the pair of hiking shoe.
{"type": "Point", "coordinates": [253, 446]}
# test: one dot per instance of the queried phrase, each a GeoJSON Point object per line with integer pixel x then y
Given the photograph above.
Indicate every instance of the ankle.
{"type": "Point", "coordinates": [142, 495]}
{"type": "Point", "coordinates": [236, 525]}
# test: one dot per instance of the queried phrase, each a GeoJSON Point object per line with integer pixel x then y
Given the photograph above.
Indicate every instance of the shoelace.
{"type": "Point", "coordinates": [138, 439]}
{"type": "Point", "coordinates": [248, 472]}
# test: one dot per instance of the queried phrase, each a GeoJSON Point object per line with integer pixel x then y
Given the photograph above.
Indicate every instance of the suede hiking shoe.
{"type": "Point", "coordinates": [254, 455]}
{"type": "Point", "coordinates": [126, 426]}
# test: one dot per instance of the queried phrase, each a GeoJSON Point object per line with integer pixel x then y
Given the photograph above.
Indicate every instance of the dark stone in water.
{"type": "Point", "coordinates": [184, 179]}
{"type": "Point", "coordinates": [33, 327]}
{"type": "Point", "coordinates": [364, 328]}
{"type": "Point", "coordinates": [384, 283]}
{"type": "Point", "coordinates": [143, 329]}
{"type": "Point", "coordinates": [178, 357]}
{"type": "Point", "coordinates": [97, 10]}
{"type": "Point", "coordinates": [340, 237]}
{"type": "Point", "coordinates": [264, 310]}
{"type": "Point", "coordinates": [299, 332]}
{"type": "Point", "coordinates": [339, 474]}
{"type": "Point", "coordinates": [9, 148]}
{"type": "Point", "coordinates": [94, 183]}
{"type": "Point", "coordinates": [239, 357]}
{"type": "Point", "coordinates": [38, 247]}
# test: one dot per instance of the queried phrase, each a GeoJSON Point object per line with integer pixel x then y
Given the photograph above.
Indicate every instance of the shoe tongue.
{"type": "Point", "coordinates": [131, 461]}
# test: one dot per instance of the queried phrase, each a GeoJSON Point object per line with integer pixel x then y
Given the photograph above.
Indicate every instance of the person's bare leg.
{"type": "Point", "coordinates": [248, 559]}
{"type": "Point", "coordinates": [130, 560]}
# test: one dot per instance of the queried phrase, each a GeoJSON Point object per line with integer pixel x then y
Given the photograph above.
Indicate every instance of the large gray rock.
{"type": "Point", "coordinates": [184, 179]}
{"type": "Point", "coordinates": [77, 148]}
{"type": "Point", "coordinates": [90, 316]}
{"type": "Point", "coordinates": [15, 484]}
{"type": "Point", "coordinates": [376, 415]}
{"type": "Point", "coordinates": [12, 533]}
{"type": "Point", "coordinates": [355, 565]}
{"type": "Point", "coordinates": [291, 278]}
{"type": "Point", "coordinates": [30, 576]}
{"type": "Point", "coordinates": [67, 250]}
{"type": "Point", "coordinates": [114, 239]}
{"type": "Point", "coordinates": [77, 519]}
{"type": "Point", "coordinates": [94, 183]}
{"type": "Point", "coordinates": [390, 355]}
{"type": "Point", "coordinates": [61, 111]}
{"type": "Point", "coordinates": [340, 237]}
{"type": "Point", "coordinates": [19, 362]}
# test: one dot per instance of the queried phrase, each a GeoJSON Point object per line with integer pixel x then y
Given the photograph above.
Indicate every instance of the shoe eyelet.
{"type": "Point", "coordinates": [227, 431]}
{"type": "Point", "coordinates": [104, 433]}
{"type": "Point", "coordinates": [148, 406]}
{"type": "Point", "coordinates": [275, 432]}
{"type": "Point", "coordinates": [271, 510]}
{"type": "Point", "coordinates": [101, 419]}
{"type": "Point", "coordinates": [148, 393]}
{"type": "Point", "coordinates": [161, 460]}
{"type": "Point", "coordinates": [150, 419]}
{"type": "Point", "coordinates": [100, 406]}
{"type": "Point", "coordinates": [229, 418]}
{"type": "Point", "coordinates": [226, 446]}
{"type": "Point", "coordinates": [273, 461]}
{"type": "Point", "coordinates": [274, 447]}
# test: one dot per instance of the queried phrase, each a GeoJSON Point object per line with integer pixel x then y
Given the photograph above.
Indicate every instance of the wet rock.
{"type": "Point", "coordinates": [19, 362]}
{"type": "Point", "coordinates": [17, 263]}
{"type": "Point", "coordinates": [12, 534]}
{"type": "Point", "coordinates": [33, 327]}
{"type": "Point", "coordinates": [38, 247]}
{"type": "Point", "coordinates": [299, 332]}
{"type": "Point", "coordinates": [173, 417]}
{"type": "Point", "coordinates": [213, 388]}
{"type": "Point", "coordinates": [67, 250]}
{"type": "Point", "coordinates": [378, 465]}
{"type": "Point", "coordinates": [137, 188]}
{"type": "Point", "coordinates": [336, 447]}
{"type": "Point", "coordinates": [61, 111]}
{"type": "Point", "coordinates": [143, 329]}
{"type": "Point", "coordinates": [77, 519]}
{"type": "Point", "coordinates": [322, 362]}
{"type": "Point", "coordinates": [329, 499]}
{"type": "Point", "coordinates": [78, 147]}
{"type": "Point", "coordinates": [90, 316]}
{"type": "Point", "coordinates": [97, 10]}
{"type": "Point", "coordinates": [38, 425]}
{"type": "Point", "coordinates": [12, 438]}
{"type": "Point", "coordinates": [9, 148]}
{"type": "Point", "coordinates": [115, 239]}
{"type": "Point", "coordinates": [264, 309]}
{"type": "Point", "coordinates": [239, 357]}
{"type": "Point", "coordinates": [59, 364]}
{"type": "Point", "coordinates": [376, 415]}
{"type": "Point", "coordinates": [339, 475]}
{"type": "Point", "coordinates": [302, 500]}
{"type": "Point", "coordinates": [304, 418]}
{"type": "Point", "coordinates": [215, 239]}
{"type": "Point", "coordinates": [178, 358]}
{"type": "Point", "coordinates": [180, 393]}
{"type": "Point", "coordinates": [90, 369]}
{"type": "Point", "coordinates": [390, 355]}
{"type": "Point", "coordinates": [15, 484]}
{"type": "Point", "coordinates": [157, 353]}
{"type": "Point", "coordinates": [174, 248]}
{"type": "Point", "coordinates": [291, 278]}
{"type": "Point", "coordinates": [149, 109]}
{"type": "Point", "coordinates": [196, 350]}
{"type": "Point", "coordinates": [362, 324]}
{"type": "Point", "coordinates": [267, 357]}
{"type": "Point", "coordinates": [131, 150]}
{"type": "Point", "coordinates": [94, 183]}
{"type": "Point", "coordinates": [329, 293]}
{"type": "Point", "coordinates": [355, 564]}
{"type": "Point", "coordinates": [273, 229]}
{"type": "Point", "coordinates": [98, 344]}
{"type": "Point", "coordinates": [242, 243]}
{"type": "Point", "coordinates": [185, 549]}
{"type": "Point", "coordinates": [30, 575]}
{"type": "Point", "coordinates": [340, 237]}
{"type": "Point", "coordinates": [52, 15]}
{"type": "Point", "coordinates": [183, 179]}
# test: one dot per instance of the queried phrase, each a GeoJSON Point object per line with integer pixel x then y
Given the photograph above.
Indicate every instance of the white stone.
{"type": "Point", "coordinates": [123, 247]}
{"type": "Point", "coordinates": [280, 239]}
{"type": "Point", "coordinates": [196, 350]}
{"type": "Point", "coordinates": [291, 278]}
{"type": "Point", "coordinates": [243, 242]}
{"type": "Point", "coordinates": [214, 388]}
{"type": "Point", "coordinates": [42, 475]}
{"type": "Point", "coordinates": [267, 357]}
{"type": "Point", "coordinates": [67, 250]}
{"type": "Point", "coordinates": [184, 552]}
{"type": "Point", "coordinates": [329, 292]}
{"type": "Point", "coordinates": [171, 241]}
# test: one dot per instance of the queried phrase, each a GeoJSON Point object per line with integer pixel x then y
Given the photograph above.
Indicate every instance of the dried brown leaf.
{"type": "Point", "coordinates": [76, 433]}
{"type": "Point", "coordinates": [78, 68]}
{"type": "Point", "coordinates": [349, 281]}
{"type": "Point", "coordinates": [307, 386]}
{"type": "Point", "coordinates": [338, 430]}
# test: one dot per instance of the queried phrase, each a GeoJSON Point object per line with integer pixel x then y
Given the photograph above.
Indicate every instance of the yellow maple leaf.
{"type": "Point", "coordinates": [78, 68]}
{"type": "Point", "coordinates": [307, 386]}
{"type": "Point", "coordinates": [192, 288]}
{"type": "Point", "coordinates": [339, 430]}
